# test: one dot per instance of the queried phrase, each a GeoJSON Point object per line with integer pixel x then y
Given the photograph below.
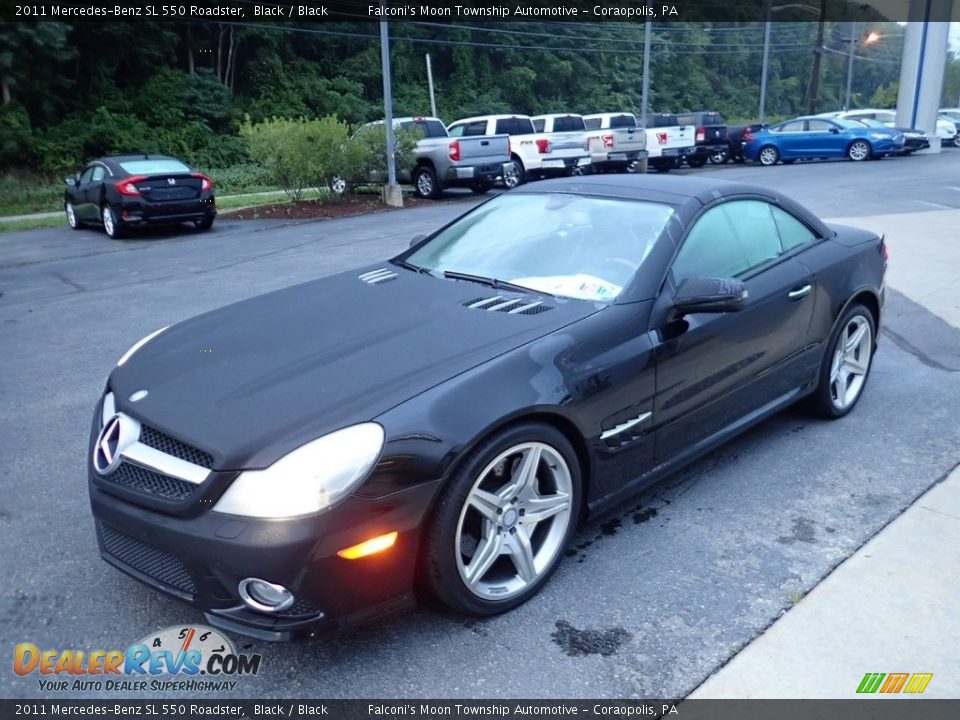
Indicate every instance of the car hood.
{"type": "Point", "coordinates": [251, 381]}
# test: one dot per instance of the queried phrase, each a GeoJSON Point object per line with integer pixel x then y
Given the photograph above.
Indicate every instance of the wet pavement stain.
{"type": "Point", "coordinates": [644, 515]}
{"type": "Point", "coordinates": [610, 528]}
{"type": "Point", "coordinates": [802, 531]}
{"type": "Point", "coordinates": [576, 643]}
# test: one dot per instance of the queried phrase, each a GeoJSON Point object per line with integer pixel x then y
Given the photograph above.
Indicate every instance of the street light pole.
{"type": "Point", "coordinates": [647, 26]}
{"type": "Point", "coordinates": [391, 191]}
{"type": "Point", "coordinates": [433, 99]}
{"type": "Point", "coordinates": [853, 43]}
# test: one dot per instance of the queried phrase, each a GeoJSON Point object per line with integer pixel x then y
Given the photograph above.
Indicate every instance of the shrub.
{"type": "Point", "coordinates": [363, 158]}
{"type": "Point", "coordinates": [297, 154]}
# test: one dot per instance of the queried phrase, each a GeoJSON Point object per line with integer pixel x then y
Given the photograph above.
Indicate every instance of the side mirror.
{"type": "Point", "coordinates": [709, 295]}
{"type": "Point", "coordinates": [834, 130]}
{"type": "Point", "coordinates": [415, 239]}
{"type": "Point", "coordinates": [71, 181]}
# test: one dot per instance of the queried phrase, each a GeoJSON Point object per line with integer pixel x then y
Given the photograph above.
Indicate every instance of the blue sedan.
{"type": "Point", "coordinates": [819, 137]}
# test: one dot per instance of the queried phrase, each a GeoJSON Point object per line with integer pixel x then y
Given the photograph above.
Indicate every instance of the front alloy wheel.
{"type": "Point", "coordinates": [859, 150]}
{"type": "Point", "coordinates": [72, 219]}
{"type": "Point", "coordinates": [504, 522]}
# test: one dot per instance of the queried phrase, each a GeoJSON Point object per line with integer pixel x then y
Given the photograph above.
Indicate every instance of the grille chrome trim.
{"type": "Point", "coordinates": [109, 409]}
{"type": "Point", "coordinates": [528, 306]}
{"type": "Point", "coordinates": [153, 459]}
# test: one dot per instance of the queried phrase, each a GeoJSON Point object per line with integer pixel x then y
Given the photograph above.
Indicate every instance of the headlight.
{"type": "Point", "coordinates": [139, 344]}
{"type": "Point", "coordinates": [309, 479]}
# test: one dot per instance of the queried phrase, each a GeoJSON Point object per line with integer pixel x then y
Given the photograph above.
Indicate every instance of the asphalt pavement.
{"type": "Point", "coordinates": [650, 601]}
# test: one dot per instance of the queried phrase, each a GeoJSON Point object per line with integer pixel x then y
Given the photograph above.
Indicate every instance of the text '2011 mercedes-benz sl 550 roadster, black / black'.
{"type": "Point", "coordinates": [436, 425]}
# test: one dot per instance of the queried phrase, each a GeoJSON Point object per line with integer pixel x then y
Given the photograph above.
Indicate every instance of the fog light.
{"type": "Point", "coordinates": [264, 596]}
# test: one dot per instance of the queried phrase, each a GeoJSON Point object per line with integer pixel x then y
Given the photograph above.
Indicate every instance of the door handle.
{"type": "Point", "coordinates": [800, 292]}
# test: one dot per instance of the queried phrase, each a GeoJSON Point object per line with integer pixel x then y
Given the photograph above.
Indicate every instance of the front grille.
{"type": "Point", "coordinates": [153, 562]}
{"type": "Point", "coordinates": [138, 479]}
{"type": "Point", "coordinates": [171, 446]}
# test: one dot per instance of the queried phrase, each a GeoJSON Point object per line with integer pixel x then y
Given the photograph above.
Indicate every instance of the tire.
{"type": "Point", "coordinates": [479, 188]}
{"type": "Point", "coordinates": [662, 164]}
{"type": "Point", "coordinates": [846, 364]}
{"type": "Point", "coordinates": [956, 140]}
{"type": "Point", "coordinates": [72, 220]}
{"type": "Point", "coordinates": [697, 162]}
{"type": "Point", "coordinates": [515, 176]}
{"type": "Point", "coordinates": [720, 157]}
{"type": "Point", "coordinates": [481, 509]}
{"type": "Point", "coordinates": [579, 170]}
{"type": "Point", "coordinates": [203, 225]}
{"type": "Point", "coordinates": [859, 150]}
{"type": "Point", "coordinates": [637, 166]}
{"type": "Point", "coordinates": [425, 183]}
{"type": "Point", "coordinates": [113, 227]}
{"type": "Point", "coordinates": [768, 156]}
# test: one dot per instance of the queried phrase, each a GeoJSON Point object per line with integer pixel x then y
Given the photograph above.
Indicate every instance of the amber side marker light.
{"type": "Point", "coordinates": [369, 547]}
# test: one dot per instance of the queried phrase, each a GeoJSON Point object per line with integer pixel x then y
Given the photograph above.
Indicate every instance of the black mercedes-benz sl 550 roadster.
{"type": "Point", "coordinates": [437, 424]}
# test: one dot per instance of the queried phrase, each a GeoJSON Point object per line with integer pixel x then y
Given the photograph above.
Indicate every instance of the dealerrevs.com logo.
{"type": "Point", "coordinates": [189, 659]}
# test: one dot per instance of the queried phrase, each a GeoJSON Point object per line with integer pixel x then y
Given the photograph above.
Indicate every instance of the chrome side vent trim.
{"type": "Point", "coordinates": [624, 426]}
{"type": "Point", "coordinates": [510, 306]}
{"type": "Point", "coordinates": [375, 277]}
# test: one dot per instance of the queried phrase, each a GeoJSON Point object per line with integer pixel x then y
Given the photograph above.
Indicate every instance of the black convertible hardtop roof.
{"type": "Point", "coordinates": [679, 191]}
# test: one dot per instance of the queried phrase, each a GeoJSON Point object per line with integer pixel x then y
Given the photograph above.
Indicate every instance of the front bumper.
{"type": "Point", "coordinates": [201, 558]}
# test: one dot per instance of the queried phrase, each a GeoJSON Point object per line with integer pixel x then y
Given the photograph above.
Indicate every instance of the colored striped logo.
{"type": "Point", "coordinates": [888, 683]}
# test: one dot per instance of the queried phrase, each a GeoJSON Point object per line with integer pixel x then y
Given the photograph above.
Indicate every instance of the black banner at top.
{"type": "Point", "coordinates": [574, 11]}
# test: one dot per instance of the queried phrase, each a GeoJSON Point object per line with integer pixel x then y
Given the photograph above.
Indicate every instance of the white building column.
{"type": "Point", "coordinates": [922, 67]}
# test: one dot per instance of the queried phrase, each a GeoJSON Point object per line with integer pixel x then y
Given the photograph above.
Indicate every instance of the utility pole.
{"type": "Point", "coordinates": [817, 54]}
{"type": "Point", "coordinates": [391, 191]}
{"type": "Point", "coordinates": [766, 63]}
{"type": "Point", "coordinates": [647, 26]}
{"type": "Point", "coordinates": [433, 100]}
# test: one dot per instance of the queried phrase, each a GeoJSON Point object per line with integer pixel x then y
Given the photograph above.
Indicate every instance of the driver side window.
{"type": "Point", "coordinates": [87, 174]}
{"type": "Point", "coordinates": [728, 240]}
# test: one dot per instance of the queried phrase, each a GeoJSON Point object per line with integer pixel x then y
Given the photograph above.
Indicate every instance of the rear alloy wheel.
{"type": "Point", "coordinates": [72, 219]}
{"type": "Point", "coordinates": [111, 225]}
{"type": "Point", "coordinates": [506, 517]}
{"type": "Point", "coordinates": [338, 185]}
{"type": "Point", "coordinates": [425, 183]}
{"type": "Point", "coordinates": [719, 157]}
{"type": "Point", "coordinates": [956, 140]}
{"type": "Point", "coordinates": [514, 175]}
{"type": "Point", "coordinates": [769, 155]}
{"type": "Point", "coordinates": [846, 365]}
{"type": "Point", "coordinates": [637, 166]}
{"type": "Point", "coordinates": [859, 150]}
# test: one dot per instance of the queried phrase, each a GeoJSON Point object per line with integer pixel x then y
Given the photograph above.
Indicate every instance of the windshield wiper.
{"type": "Point", "coordinates": [492, 282]}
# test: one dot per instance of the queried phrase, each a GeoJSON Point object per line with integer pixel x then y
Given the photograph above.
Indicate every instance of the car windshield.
{"type": "Point", "coordinates": [573, 246]}
{"type": "Point", "coordinates": [154, 167]}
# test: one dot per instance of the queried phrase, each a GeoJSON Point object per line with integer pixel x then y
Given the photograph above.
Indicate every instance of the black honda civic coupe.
{"type": "Point", "coordinates": [437, 424]}
{"type": "Point", "coordinates": [121, 192]}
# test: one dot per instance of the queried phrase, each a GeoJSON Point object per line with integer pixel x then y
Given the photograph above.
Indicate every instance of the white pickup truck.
{"type": "Point", "coordinates": [617, 142]}
{"type": "Point", "coordinates": [532, 153]}
{"type": "Point", "coordinates": [668, 142]}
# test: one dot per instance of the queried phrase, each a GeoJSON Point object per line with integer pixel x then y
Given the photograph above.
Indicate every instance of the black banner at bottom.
{"type": "Point", "coordinates": [856, 709]}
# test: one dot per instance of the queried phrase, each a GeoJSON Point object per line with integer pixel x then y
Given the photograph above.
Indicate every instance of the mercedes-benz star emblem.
{"type": "Point", "coordinates": [138, 395]}
{"type": "Point", "coordinates": [106, 453]}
